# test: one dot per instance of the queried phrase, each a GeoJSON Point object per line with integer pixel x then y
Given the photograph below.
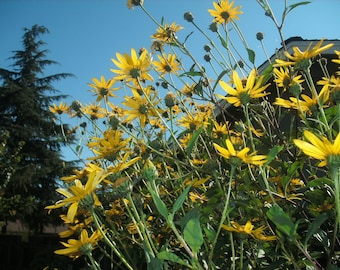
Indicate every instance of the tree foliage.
{"type": "Point", "coordinates": [30, 140]}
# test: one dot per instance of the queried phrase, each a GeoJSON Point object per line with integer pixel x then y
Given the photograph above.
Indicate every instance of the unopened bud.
{"type": "Point", "coordinates": [188, 16]}
{"type": "Point", "coordinates": [259, 36]}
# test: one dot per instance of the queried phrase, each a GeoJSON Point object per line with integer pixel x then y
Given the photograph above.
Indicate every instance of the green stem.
{"type": "Point", "coordinates": [224, 213]}
{"type": "Point", "coordinates": [108, 241]}
{"type": "Point", "coordinates": [336, 178]}
{"type": "Point", "coordinates": [94, 264]}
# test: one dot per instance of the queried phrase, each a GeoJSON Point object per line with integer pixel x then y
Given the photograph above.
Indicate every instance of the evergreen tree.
{"type": "Point", "coordinates": [31, 141]}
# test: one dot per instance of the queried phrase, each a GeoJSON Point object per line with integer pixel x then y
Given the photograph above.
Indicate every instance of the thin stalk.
{"type": "Point", "coordinates": [108, 241]}
{"type": "Point", "coordinates": [224, 213]}
{"type": "Point", "coordinates": [336, 178]}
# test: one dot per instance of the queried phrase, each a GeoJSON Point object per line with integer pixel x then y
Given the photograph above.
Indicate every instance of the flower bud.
{"type": "Point", "coordinates": [259, 36]}
{"type": "Point", "coordinates": [188, 16]}
{"type": "Point", "coordinates": [170, 100]}
{"type": "Point", "coordinates": [207, 48]}
{"type": "Point", "coordinates": [207, 57]}
{"type": "Point", "coordinates": [213, 27]}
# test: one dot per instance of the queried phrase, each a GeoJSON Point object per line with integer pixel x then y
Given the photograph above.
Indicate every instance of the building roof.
{"type": "Point", "coordinates": [232, 113]}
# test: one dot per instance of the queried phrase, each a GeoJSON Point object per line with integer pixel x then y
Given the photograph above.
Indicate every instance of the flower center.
{"type": "Point", "coordinates": [225, 15]}
{"type": "Point", "coordinates": [103, 91]}
{"type": "Point", "coordinates": [143, 109]}
{"type": "Point", "coordinates": [135, 73]}
{"type": "Point", "coordinates": [167, 68]}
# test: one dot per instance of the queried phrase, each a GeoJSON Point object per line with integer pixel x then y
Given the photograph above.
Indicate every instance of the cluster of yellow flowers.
{"type": "Point", "coordinates": [173, 178]}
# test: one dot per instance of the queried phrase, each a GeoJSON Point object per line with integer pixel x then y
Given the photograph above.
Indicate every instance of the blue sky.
{"type": "Point", "coordinates": [86, 34]}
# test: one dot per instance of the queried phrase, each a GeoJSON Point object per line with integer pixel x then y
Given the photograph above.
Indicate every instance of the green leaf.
{"type": "Point", "coordinates": [251, 55]}
{"type": "Point", "coordinates": [224, 43]}
{"type": "Point", "coordinates": [282, 221]}
{"type": "Point", "coordinates": [160, 205]}
{"type": "Point", "coordinates": [193, 234]}
{"type": "Point", "coordinates": [273, 153]}
{"type": "Point", "coordinates": [180, 200]}
{"type": "Point", "coordinates": [291, 7]}
{"type": "Point", "coordinates": [193, 140]}
{"type": "Point", "coordinates": [169, 256]}
{"type": "Point", "coordinates": [219, 78]}
{"type": "Point", "coordinates": [315, 226]}
{"type": "Point", "coordinates": [155, 264]}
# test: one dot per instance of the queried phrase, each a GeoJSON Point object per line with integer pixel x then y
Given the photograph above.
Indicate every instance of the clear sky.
{"type": "Point", "coordinates": [86, 34]}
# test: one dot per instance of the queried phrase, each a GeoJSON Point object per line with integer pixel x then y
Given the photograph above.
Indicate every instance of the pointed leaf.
{"type": "Point", "coordinates": [291, 7]}
{"type": "Point", "coordinates": [172, 257]}
{"type": "Point", "coordinates": [180, 200]}
{"type": "Point", "coordinates": [315, 226]}
{"type": "Point", "coordinates": [273, 153]}
{"type": "Point", "coordinates": [193, 234]}
{"type": "Point", "coordinates": [282, 221]}
{"type": "Point", "coordinates": [160, 205]}
{"type": "Point", "coordinates": [251, 55]}
{"type": "Point", "coordinates": [193, 140]}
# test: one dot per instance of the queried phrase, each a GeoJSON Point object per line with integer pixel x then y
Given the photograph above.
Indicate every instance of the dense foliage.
{"type": "Point", "coordinates": [230, 168]}
{"type": "Point", "coordinates": [30, 154]}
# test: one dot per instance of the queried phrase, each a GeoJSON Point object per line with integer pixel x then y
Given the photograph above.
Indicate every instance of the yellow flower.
{"type": "Point", "coordinates": [79, 195]}
{"type": "Point", "coordinates": [243, 93]}
{"type": "Point", "coordinates": [102, 88]}
{"type": "Point", "coordinates": [239, 156]}
{"type": "Point", "coordinates": [94, 111]}
{"type": "Point", "coordinates": [197, 197]}
{"type": "Point", "coordinates": [248, 229]}
{"type": "Point", "coordinates": [167, 64]}
{"type": "Point", "coordinates": [166, 33]}
{"type": "Point", "coordinates": [109, 146]}
{"type": "Point", "coordinates": [307, 105]}
{"type": "Point", "coordinates": [224, 11]}
{"type": "Point", "coordinates": [322, 149]}
{"type": "Point", "coordinates": [220, 130]}
{"type": "Point", "coordinates": [59, 109]}
{"type": "Point", "coordinates": [194, 121]}
{"type": "Point", "coordinates": [300, 59]}
{"type": "Point", "coordinates": [83, 246]}
{"type": "Point", "coordinates": [286, 80]}
{"type": "Point", "coordinates": [331, 86]}
{"type": "Point", "coordinates": [133, 67]}
{"type": "Point", "coordinates": [140, 107]}
{"type": "Point", "coordinates": [337, 61]}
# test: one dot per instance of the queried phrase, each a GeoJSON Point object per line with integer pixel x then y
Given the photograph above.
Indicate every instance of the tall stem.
{"type": "Point", "coordinates": [224, 213]}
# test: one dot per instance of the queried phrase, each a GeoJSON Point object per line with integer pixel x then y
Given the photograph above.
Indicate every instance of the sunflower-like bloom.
{"type": "Point", "coordinates": [220, 130]}
{"type": "Point", "coordinates": [95, 111]}
{"type": "Point", "coordinates": [300, 59]}
{"type": "Point", "coordinates": [132, 68]}
{"type": "Point", "coordinates": [322, 149]}
{"type": "Point", "coordinates": [83, 246]}
{"type": "Point", "coordinates": [103, 88]}
{"type": "Point", "coordinates": [167, 64]}
{"type": "Point", "coordinates": [224, 11]}
{"type": "Point", "coordinates": [286, 80]}
{"type": "Point", "coordinates": [109, 146]}
{"type": "Point", "coordinates": [194, 121]}
{"type": "Point", "coordinates": [80, 195]}
{"type": "Point", "coordinates": [332, 86]}
{"type": "Point", "coordinates": [141, 107]}
{"type": "Point", "coordinates": [236, 157]}
{"type": "Point", "coordinates": [167, 33]}
{"type": "Point", "coordinates": [248, 228]}
{"type": "Point", "coordinates": [307, 104]}
{"type": "Point", "coordinates": [243, 94]}
{"type": "Point", "coordinates": [59, 109]}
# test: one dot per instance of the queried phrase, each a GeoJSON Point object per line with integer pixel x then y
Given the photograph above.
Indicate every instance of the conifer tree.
{"type": "Point", "coordinates": [31, 141]}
